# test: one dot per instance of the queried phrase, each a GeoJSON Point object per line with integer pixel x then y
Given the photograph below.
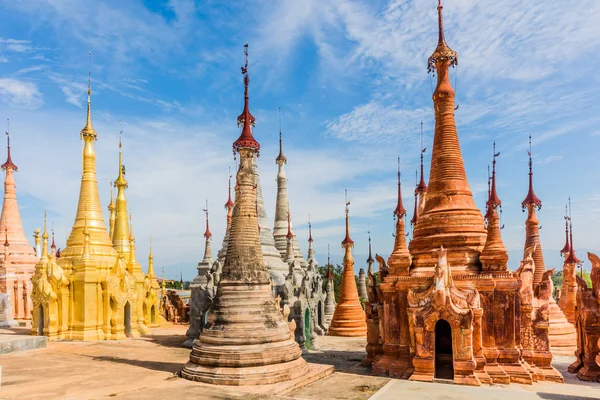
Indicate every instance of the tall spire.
{"type": "Point", "coordinates": [531, 199]}
{"type": "Point", "coordinates": [494, 256]}
{"type": "Point", "coordinates": [311, 248]}
{"type": "Point", "coordinates": [370, 260]}
{"type": "Point", "coordinates": [232, 346]}
{"type": "Point", "coordinates": [400, 211]}
{"type": "Point", "coordinates": [415, 216]}
{"type": "Point", "coordinates": [282, 209]}
{"type": "Point", "coordinates": [229, 205]}
{"type": "Point", "coordinates": [134, 265]}
{"type": "Point", "coordinates": [9, 163]}
{"type": "Point", "coordinates": [349, 317]}
{"type": "Point", "coordinates": [532, 229]}
{"type": "Point", "coordinates": [89, 206]}
{"type": "Point", "coordinates": [53, 246]}
{"type": "Point", "coordinates": [120, 237]}
{"type": "Point", "coordinates": [347, 242]}
{"type": "Point", "coordinates": [422, 186]}
{"type": "Point", "coordinates": [245, 119]}
{"type": "Point", "coordinates": [10, 220]}
{"type": "Point", "coordinates": [88, 130]}
{"type": "Point", "coordinates": [567, 247]}
{"type": "Point", "coordinates": [112, 210]}
{"type": "Point", "coordinates": [289, 254]}
{"type": "Point", "coordinates": [280, 158]}
{"type": "Point", "coordinates": [151, 261]}
{"type": "Point", "coordinates": [208, 257]}
{"type": "Point", "coordinates": [571, 258]}
{"type": "Point", "coordinates": [400, 259]}
{"type": "Point", "coordinates": [449, 217]}
{"type": "Point", "coordinates": [45, 240]}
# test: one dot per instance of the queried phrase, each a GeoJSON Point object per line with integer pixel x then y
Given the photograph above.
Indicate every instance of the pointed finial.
{"type": "Point", "coordinates": [567, 245]}
{"type": "Point", "coordinates": [415, 216]}
{"type": "Point", "coordinates": [422, 186]}
{"type": "Point", "coordinates": [493, 200]}
{"type": "Point", "coordinates": [229, 203]}
{"type": "Point", "coordinates": [280, 158]}
{"type": "Point", "coordinates": [88, 130]}
{"type": "Point", "coordinates": [442, 53]}
{"type": "Point", "coordinates": [53, 245]}
{"type": "Point", "coordinates": [370, 260]}
{"type": "Point", "coordinates": [572, 258]}
{"type": "Point", "coordinates": [400, 211]}
{"type": "Point", "coordinates": [347, 240]}
{"type": "Point", "coordinates": [245, 119]}
{"type": "Point", "coordinates": [9, 163]}
{"type": "Point", "coordinates": [150, 256]}
{"type": "Point", "coordinates": [531, 199]}
{"type": "Point", "coordinates": [207, 233]}
{"type": "Point", "coordinates": [310, 239]}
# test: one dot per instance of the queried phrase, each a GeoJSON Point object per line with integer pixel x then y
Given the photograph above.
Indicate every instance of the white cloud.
{"type": "Point", "coordinates": [15, 45]}
{"type": "Point", "coordinates": [20, 93]}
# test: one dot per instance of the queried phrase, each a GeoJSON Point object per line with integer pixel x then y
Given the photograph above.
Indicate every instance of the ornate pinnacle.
{"type": "Point", "coordinates": [289, 235]}
{"type": "Point", "coordinates": [245, 119]}
{"type": "Point", "coordinates": [280, 158]}
{"type": "Point", "coordinates": [422, 186]}
{"type": "Point", "coordinates": [493, 200]}
{"type": "Point", "coordinates": [567, 245]}
{"type": "Point", "coordinates": [9, 163]}
{"type": "Point", "coordinates": [399, 211]}
{"type": "Point", "coordinates": [531, 199]}
{"type": "Point", "coordinates": [88, 130]}
{"type": "Point", "coordinates": [310, 239]}
{"type": "Point", "coordinates": [571, 258]}
{"type": "Point", "coordinates": [370, 260]}
{"type": "Point", "coordinates": [415, 216]}
{"type": "Point", "coordinates": [229, 203]}
{"type": "Point", "coordinates": [442, 53]}
{"type": "Point", "coordinates": [347, 240]}
{"type": "Point", "coordinates": [207, 233]}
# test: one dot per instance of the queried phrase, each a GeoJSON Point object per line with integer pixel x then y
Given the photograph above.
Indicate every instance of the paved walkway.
{"type": "Point", "coordinates": [145, 369]}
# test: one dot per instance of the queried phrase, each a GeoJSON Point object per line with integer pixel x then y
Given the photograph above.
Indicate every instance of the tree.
{"type": "Point", "coordinates": [336, 272]}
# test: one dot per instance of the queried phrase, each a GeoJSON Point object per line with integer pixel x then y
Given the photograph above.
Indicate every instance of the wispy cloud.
{"type": "Point", "coordinates": [20, 93]}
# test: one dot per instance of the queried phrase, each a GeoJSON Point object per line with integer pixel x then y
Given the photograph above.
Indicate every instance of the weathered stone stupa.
{"type": "Point", "coordinates": [349, 317]}
{"type": "Point", "coordinates": [249, 342]}
{"type": "Point", "coordinates": [329, 292]}
{"type": "Point", "coordinates": [282, 208]}
{"type": "Point", "coordinates": [17, 266]}
{"type": "Point", "coordinates": [455, 311]}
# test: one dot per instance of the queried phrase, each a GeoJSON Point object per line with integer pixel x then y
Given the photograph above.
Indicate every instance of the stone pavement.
{"type": "Point", "coordinates": [146, 368]}
{"type": "Point", "coordinates": [572, 389]}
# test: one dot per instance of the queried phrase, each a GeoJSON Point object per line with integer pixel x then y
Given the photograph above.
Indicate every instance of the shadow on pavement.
{"type": "Point", "coordinates": [173, 367]}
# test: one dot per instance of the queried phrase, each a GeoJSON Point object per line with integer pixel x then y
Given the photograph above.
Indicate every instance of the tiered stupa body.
{"type": "Point", "coordinates": [455, 311]}
{"type": "Point", "coordinates": [93, 291]}
{"type": "Point", "coordinates": [562, 333]}
{"type": "Point", "coordinates": [282, 210]}
{"type": "Point", "coordinates": [15, 276]}
{"type": "Point", "coordinates": [449, 217]}
{"type": "Point", "coordinates": [249, 342]}
{"type": "Point", "coordinates": [349, 317]}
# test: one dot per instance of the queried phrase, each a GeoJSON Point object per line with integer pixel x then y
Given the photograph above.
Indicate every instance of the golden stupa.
{"type": "Point", "coordinates": [96, 290]}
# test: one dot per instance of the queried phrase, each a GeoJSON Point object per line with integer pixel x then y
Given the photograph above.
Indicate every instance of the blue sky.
{"type": "Point", "coordinates": [351, 80]}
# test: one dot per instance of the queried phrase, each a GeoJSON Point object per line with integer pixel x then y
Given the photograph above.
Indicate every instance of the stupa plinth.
{"type": "Point", "coordinates": [249, 342]}
{"type": "Point", "coordinates": [349, 318]}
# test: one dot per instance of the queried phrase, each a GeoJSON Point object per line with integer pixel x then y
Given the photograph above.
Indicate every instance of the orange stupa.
{"type": "Point", "coordinates": [450, 217]}
{"type": "Point", "coordinates": [349, 317]}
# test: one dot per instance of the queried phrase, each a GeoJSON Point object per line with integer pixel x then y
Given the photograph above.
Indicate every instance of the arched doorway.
{"type": "Point", "coordinates": [40, 330]}
{"type": "Point", "coordinates": [320, 313]}
{"type": "Point", "coordinates": [127, 319]}
{"type": "Point", "coordinates": [444, 366]}
{"type": "Point", "coordinates": [307, 340]}
{"type": "Point", "coordinates": [153, 314]}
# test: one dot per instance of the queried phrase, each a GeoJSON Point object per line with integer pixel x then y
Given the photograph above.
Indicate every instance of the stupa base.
{"type": "Point", "coordinates": [246, 376]}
